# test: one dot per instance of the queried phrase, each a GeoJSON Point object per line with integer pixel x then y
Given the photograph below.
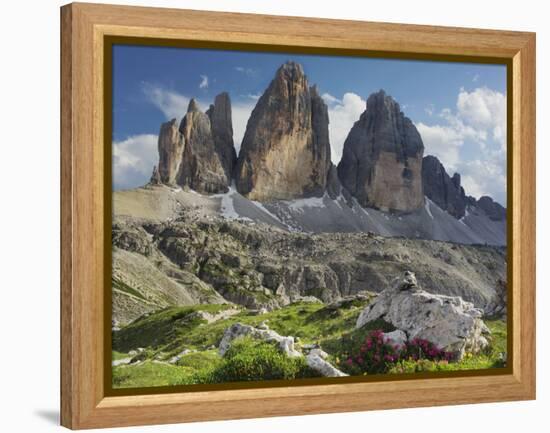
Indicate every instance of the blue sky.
{"type": "Point", "coordinates": [459, 108]}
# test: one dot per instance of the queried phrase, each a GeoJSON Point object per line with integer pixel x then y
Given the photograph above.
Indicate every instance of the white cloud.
{"type": "Point", "coordinates": [330, 100]}
{"type": "Point", "coordinates": [253, 96]}
{"type": "Point", "coordinates": [484, 177]}
{"type": "Point", "coordinates": [430, 109]}
{"type": "Point", "coordinates": [133, 160]}
{"type": "Point", "coordinates": [484, 109]}
{"type": "Point", "coordinates": [443, 142]}
{"type": "Point", "coordinates": [475, 78]}
{"type": "Point", "coordinates": [204, 82]}
{"type": "Point", "coordinates": [250, 72]}
{"type": "Point", "coordinates": [471, 140]}
{"type": "Point", "coordinates": [172, 104]}
{"type": "Point", "coordinates": [343, 113]}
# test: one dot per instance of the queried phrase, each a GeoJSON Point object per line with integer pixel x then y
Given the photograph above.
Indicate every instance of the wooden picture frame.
{"type": "Point", "coordinates": [85, 213]}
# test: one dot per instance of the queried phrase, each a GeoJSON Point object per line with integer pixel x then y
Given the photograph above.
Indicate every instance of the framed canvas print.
{"type": "Point", "coordinates": [270, 216]}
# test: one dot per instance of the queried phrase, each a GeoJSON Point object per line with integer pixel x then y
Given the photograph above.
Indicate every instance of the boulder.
{"type": "Point", "coordinates": [382, 158]}
{"type": "Point", "coordinates": [285, 343]}
{"type": "Point", "coordinates": [316, 362]}
{"type": "Point", "coordinates": [318, 352]}
{"type": "Point", "coordinates": [285, 152]}
{"type": "Point", "coordinates": [449, 322]}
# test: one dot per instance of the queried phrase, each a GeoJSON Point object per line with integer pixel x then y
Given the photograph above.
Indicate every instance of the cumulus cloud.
{"type": "Point", "coordinates": [172, 104]}
{"type": "Point", "coordinates": [133, 160]}
{"type": "Point", "coordinates": [429, 110]}
{"type": "Point", "coordinates": [204, 82]}
{"type": "Point", "coordinates": [484, 177]}
{"type": "Point", "coordinates": [343, 113]}
{"type": "Point", "coordinates": [442, 141]}
{"type": "Point", "coordinates": [471, 140]}
{"type": "Point", "coordinates": [330, 100]}
{"type": "Point", "coordinates": [485, 110]}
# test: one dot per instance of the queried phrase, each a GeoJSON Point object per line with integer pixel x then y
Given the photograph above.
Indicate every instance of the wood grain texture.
{"type": "Point", "coordinates": [84, 27]}
{"type": "Point", "coordinates": [67, 394]}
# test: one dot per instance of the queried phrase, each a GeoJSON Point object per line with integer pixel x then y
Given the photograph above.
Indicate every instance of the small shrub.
{"type": "Point", "coordinates": [417, 349]}
{"type": "Point", "coordinates": [376, 355]}
{"type": "Point", "coordinates": [249, 360]}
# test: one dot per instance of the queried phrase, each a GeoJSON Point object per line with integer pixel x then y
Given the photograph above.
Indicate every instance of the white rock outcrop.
{"type": "Point", "coordinates": [449, 322]}
{"type": "Point", "coordinates": [315, 360]}
{"type": "Point", "coordinates": [286, 343]}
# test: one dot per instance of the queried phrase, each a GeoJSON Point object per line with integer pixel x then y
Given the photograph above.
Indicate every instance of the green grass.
{"type": "Point", "coordinates": [198, 360]}
{"type": "Point", "coordinates": [118, 355]}
{"type": "Point", "coordinates": [167, 332]}
{"type": "Point", "coordinates": [163, 330]}
{"type": "Point", "coordinates": [247, 360]}
{"type": "Point", "coordinates": [174, 329]}
{"type": "Point", "coordinates": [252, 360]}
{"type": "Point", "coordinates": [171, 330]}
{"type": "Point", "coordinates": [148, 374]}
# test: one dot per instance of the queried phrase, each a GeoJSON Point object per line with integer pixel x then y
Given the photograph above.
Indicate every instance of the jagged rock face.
{"type": "Point", "coordinates": [321, 143]}
{"type": "Point", "coordinates": [219, 114]}
{"type": "Point", "coordinates": [155, 177]}
{"type": "Point", "coordinates": [170, 147]}
{"type": "Point", "coordinates": [440, 188]}
{"type": "Point", "coordinates": [285, 152]}
{"type": "Point", "coordinates": [202, 167]}
{"type": "Point", "coordinates": [494, 210]}
{"type": "Point", "coordinates": [200, 153]}
{"type": "Point", "coordinates": [334, 186]}
{"type": "Point", "coordinates": [382, 158]}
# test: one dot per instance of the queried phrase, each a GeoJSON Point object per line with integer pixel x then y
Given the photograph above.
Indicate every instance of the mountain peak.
{"type": "Point", "coordinates": [382, 157]}
{"type": "Point", "coordinates": [382, 101]}
{"type": "Point", "coordinates": [285, 152]}
{"type": "Point", "coordinates": [193, 106]}
{"type": "Point", "coordinates": [290, 69]}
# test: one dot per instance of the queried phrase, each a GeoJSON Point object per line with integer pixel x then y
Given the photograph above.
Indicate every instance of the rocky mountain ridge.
{"type": "Point", "coordinates": [285, 156]}
{"type": "Point", "coordinates": [190, 261]}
